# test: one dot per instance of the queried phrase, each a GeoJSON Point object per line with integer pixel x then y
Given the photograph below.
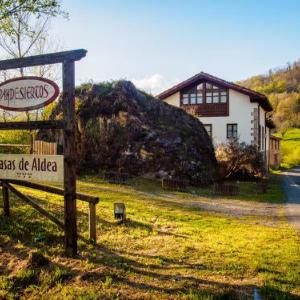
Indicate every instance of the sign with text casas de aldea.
{"type": "Point", "coordinates": [27, 93]}
{"type": "Point", "coordinates": [45, 168]}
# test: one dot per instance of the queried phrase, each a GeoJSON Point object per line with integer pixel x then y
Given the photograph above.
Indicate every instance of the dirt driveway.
{"type": "Point", "coordinates": [264, 213]}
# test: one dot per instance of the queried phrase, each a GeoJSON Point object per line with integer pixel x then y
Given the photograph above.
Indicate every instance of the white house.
{"type": "Point", "coordinates": [226, 109]}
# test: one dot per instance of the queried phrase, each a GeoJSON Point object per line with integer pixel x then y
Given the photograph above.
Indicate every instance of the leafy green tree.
{"type": "Point", "coordinates": [282, 86]}
{"type": "Point", "coordinates": [38, 7]}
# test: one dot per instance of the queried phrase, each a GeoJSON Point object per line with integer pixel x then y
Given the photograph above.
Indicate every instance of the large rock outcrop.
{"type": "Point", "coordinates": [125, 130]}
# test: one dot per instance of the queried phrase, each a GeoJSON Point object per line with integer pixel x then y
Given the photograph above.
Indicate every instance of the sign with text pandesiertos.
{"type": "Point", "coordinates": [27, 93]}
{"type": "Point", "coordinates": [46, 168]}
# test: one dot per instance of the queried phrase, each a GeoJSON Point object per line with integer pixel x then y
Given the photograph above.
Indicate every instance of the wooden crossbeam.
{"type": "Point", "coordinates": [44, 59]}
{"type": "Point", "coordinates": [6, 185]}
{"type": "Point", "coordinates": [15, 145]}
{"type": "Point", "coordinates": [53, 190]}
{"type": "Point", "coordinates": [33, 204]}
{"type": "Point", "coordinates": [32, 125]}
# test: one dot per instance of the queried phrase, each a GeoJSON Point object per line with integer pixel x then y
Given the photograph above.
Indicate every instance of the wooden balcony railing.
{"type": "Point", "coordinates": [207, 109]}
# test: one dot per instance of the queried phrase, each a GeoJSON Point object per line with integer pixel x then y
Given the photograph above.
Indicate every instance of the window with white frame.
{"type": "Point", "coordinates": [204, 92]}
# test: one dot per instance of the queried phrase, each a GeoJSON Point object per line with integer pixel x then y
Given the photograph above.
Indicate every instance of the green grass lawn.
{"type": "Point", "coordinates": [290, 148]}
{"type": "Point", "coordinates": [166, 249]}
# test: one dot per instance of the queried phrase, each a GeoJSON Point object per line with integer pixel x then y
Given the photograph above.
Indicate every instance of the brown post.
{"type": "Point", "coordinates": [92, 222]}
{"type": "Point", "coordinates": [5, 201]}
{"type": "Point", "coordinates": [69, 158]}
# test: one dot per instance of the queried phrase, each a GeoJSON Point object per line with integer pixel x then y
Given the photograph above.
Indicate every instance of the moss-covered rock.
{"type": "Point", "coordinates": [125, 130]}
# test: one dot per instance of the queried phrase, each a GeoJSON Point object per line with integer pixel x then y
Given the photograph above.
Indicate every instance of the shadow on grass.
{"type": "Point", "coordinates": [117, 267]}
{"type": "Point", "coordinates": [131, 224]}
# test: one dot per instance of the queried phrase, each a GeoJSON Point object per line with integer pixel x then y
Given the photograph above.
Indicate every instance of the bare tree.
{"type": "Point", "coordinates": [239, 160]}
{"type": "Point", "coordinates": [26, 35]}
{"type": "Point", "coordinates": [23, 35]}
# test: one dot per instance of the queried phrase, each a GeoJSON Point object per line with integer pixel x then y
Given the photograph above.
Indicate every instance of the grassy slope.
{"type": "Point", "coordinates": [14, 137]}
{"type": "Point", "coordinates": [165, 251]}
{"type": "Point", "coordinates": [290, 148]}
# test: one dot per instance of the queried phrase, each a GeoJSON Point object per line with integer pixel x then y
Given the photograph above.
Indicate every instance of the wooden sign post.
{"type": "Point", "coordinates": [67, 59]}
{"type": "Point", "coordinates": [70, 157]}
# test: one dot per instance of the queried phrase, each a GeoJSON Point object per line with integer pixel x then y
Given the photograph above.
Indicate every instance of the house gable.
{"type": "Point", "coordinates": [205, 99]}
{"type": "Point", "coordinates": [226, 109]}
{"type": "Point", "coordinates": [204, 77]}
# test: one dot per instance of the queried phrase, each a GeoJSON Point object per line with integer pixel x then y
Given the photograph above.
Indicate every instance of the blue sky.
{"type": "Point", "coordinates": [157, 43]}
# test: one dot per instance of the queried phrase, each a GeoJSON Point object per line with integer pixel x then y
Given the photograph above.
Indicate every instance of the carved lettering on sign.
{"type": "Point", "coordinates": [27, 93]}
{"type": "Point", "coordinates": [47, 168]}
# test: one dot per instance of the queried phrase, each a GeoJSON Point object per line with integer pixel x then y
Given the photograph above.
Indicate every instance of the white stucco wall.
{"type": "Point", "coordinates": [240, 109]}
{"type": "Point", "coordinates": [173, 99]}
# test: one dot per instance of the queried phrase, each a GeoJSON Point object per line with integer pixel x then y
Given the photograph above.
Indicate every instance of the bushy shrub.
{"type": "Point", "coordinates": [239, 161]}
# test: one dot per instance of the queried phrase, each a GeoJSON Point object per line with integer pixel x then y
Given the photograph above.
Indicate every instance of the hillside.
{"type": "Point", "coordinates": [282, 86]}
{"type": "Point", "coordinates": [290, 147]}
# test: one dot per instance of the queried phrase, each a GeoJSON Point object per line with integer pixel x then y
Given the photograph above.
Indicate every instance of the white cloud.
{"type": "Point", "coordinates": [153, 84]}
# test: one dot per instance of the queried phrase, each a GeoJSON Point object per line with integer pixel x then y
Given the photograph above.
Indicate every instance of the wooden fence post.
{"type": "Point", "coordinates": [5, 196]}
{"type": "Point", "coordinates": [34, 205]}
{"type": "Point", "coordinates": [92, 222]}
{"type": "Point", "coordinates": [69, 158]}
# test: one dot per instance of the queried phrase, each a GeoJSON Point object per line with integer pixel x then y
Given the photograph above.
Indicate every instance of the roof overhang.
{"type": "Point", "coordinates": [254, 96]}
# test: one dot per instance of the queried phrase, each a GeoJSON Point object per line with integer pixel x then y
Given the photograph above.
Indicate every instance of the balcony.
{"type": "Point", "coordinates": [207, 109]}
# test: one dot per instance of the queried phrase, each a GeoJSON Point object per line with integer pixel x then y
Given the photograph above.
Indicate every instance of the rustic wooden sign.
{"type": "Point", "coordinates": [27, 93]}
{"type": "Point", "coordinates": [46, 168]}
{"type": "Point", "coordinates": [67, 124]}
